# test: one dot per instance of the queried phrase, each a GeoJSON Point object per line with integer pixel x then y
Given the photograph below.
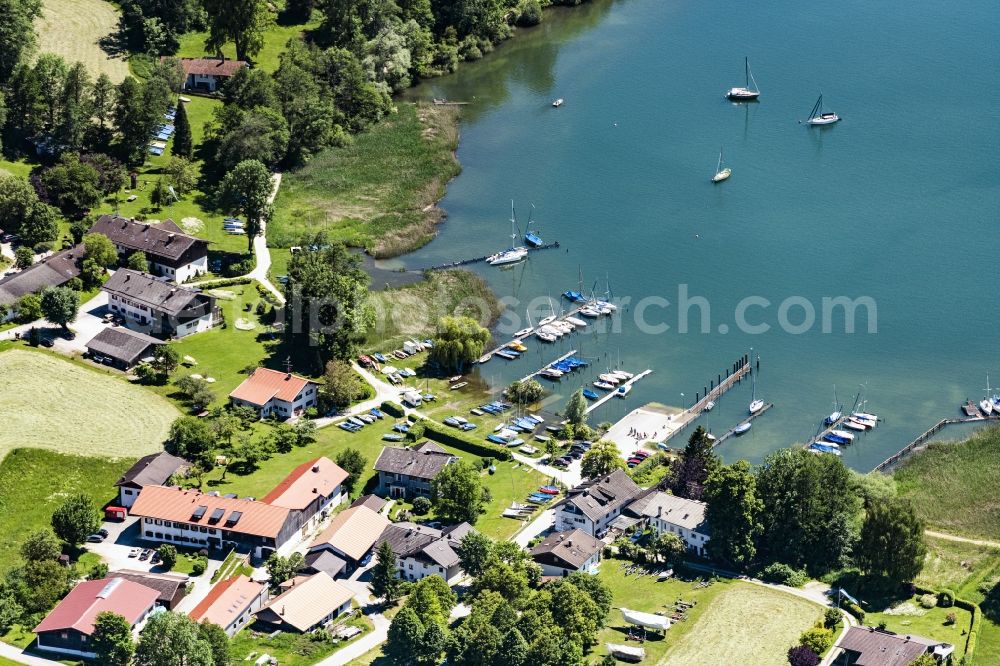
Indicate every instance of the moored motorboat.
{"type": "Point", "coordinates": [623, 391]}
{"type": "Point", "coordinates": [557, 103]}
{"type": "Point", "coordinates": [604, 386]}
{"type": "Point", "coordinates": [551, 373]}
{"type": "Point", "coordinates": [710, 405]}
{"type": "Point", "coordinates": [970, 408]}
{"type": "Point", "coordinates": [523, 332]}
{"type": "Point", "coordinates": [852, 424]}
{"type": "Point", "coordinates": [590, 395]}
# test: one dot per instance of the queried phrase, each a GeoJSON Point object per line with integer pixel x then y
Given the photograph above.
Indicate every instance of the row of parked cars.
{"type": "Point", "coordinates": [575, 452]}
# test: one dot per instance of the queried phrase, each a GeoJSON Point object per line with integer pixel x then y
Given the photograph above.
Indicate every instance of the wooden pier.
{"type": "Point", "coordinates": [913, 446]}
{"type": "Point", "coordinates": [561, 358]}
{"type": "Point", "coordinates": [522, 338]}
{"type": "Point", "coordinates": [732, 431]}
{"type": "Point", "coordinates": [476, 260]}
{"type": "Point", "coordinates": [736, 373]}
{"type": "Point", "coordinates": [628, 382]}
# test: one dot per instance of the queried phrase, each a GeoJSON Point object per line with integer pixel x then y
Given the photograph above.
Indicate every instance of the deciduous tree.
{"type": "Point", "coordinates": [891, 544]}
{"type": "Point", "coordinates": [475, 552]}
{"type": "Point", "coordinates": [524, 392]}
{"type": "Point", "coordinates": [23, 257]}
{"type": "Point", "coordinates": [242, 22]}
{"type": "Point", "coordinates": [112, 639]}
{"type": "Point", "coordinates": [40, 546]}
{"type": "Point", "coordinates": [168, 556]}
{"type": "Point", "coordinates": [137, 261]}
{"type": "Point", "coordinates": [602, 459]}
{"type": "Point", "coordinates": [99, 248]}
{"type": "Point", "coordinates": [75, 519]}
{"type": "Point", "coordinates": [246, 190]}
{"type": "Point", "coordinates": [190, 437]}
{"type": "Point", "coordinates": [341, 384]}
{"type": "Point", "coordinates": [71, 185]}
{"type": "Point", "coordinates": [576, 409]}
{"type": "Point", "coordinates": [354, 463]}
{"type": "Point", "coordinates": [60, 305]}
{"type": "Point", "coordinates": [457, 493]}
{"type": "Point", "coordinates": [734, 513]}
{"type": "Point", "coordinates": [458, 342]}
{"type": "Point", "coordinates": [169, 639]}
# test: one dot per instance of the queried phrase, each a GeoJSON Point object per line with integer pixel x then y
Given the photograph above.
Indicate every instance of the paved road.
{"type": "Point", "coordinates": [15, 654]}
{"type": "Point", "coordinates": [952, 537]}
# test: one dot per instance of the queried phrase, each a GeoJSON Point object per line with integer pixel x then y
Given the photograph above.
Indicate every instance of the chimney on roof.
{"type": "Point", "coordinates": [170, 238]}
{"type": "Point", "coordinates": [288, 376]}
{"type": "Point", "coordinates": [315, 491]}
{"type": "Point", "coordinates": [659, 512]}
{"type": "Point", "coordinates": [569, 542]}
{"type": "Point", "coordinates": [316, 468]}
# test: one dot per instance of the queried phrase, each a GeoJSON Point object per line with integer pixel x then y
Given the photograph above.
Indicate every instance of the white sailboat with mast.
{"type": "Point", "coordinates": [515, 253]}
{"type": "Point", "coordinates": [986, 405]}
{"type": "Point", "coordinates": [744, 93]}
{"type": "Point", "coordinates": [721, 173]}
{"type": "Point", "coordinates": [756, 404]}
{"type": "Point", "coordinates": [820, 117]}
{"type": "Point", "coordinates": [837, 410]}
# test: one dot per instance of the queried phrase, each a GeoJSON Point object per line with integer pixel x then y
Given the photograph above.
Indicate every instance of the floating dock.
{"type": "Point", "coordinates": [732, 431]}
{"type": "Point", "coordinates": [521, 338]}
{"type": "Point", "coordinates": [610, 394]}
{"type": "Point", "coordinates": [561, 358]}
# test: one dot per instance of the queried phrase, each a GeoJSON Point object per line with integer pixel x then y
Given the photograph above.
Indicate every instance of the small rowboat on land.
{"type": "Point", "coordinates": [627, 652]}
{"type": "Point", "coordinates": [455, 387]}
{"type": "Point", "coordinates": [549, 490]}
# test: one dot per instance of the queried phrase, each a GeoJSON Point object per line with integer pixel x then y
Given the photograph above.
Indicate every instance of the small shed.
{"type": "Point", "coordinates": [115, 513]}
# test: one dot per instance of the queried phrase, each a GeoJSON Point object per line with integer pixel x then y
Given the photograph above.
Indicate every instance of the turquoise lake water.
{"type": "Point", "coordinates": [898, 203]}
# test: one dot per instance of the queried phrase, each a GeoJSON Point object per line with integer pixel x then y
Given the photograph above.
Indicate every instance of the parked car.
{"type": "Point", "coordinates": [46, 342]}
{"type": "Point", "coordinates": [144, 555]}
{"type": "Point", "coordinates": [95, 538]}
{"type": "Point", "coordinates": [134, 552]}
{"type": "Point", "coordinates": [103, 532]}
{"type": "Point", "coordinates": [155, 559]}
{"type": "Point", "coordinates": [576, 455]}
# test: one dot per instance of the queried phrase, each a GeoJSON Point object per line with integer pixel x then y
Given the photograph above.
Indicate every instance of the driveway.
{"type": "Point", "coordinates": [89, 322]}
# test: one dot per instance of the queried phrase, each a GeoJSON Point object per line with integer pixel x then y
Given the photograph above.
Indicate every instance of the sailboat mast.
{"type": "Point", "coordinates": [513, 224]}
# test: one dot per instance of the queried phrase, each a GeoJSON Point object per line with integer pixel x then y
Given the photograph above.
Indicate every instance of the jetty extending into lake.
{"type": "Point", "coordinates": [610, 394]}
{"type": "Point", "coordinates": [917, 444]}
{"type": "Point", "coordinates": [550, 363]}
{"type": "Point", "coordinates": [476, 260]}
{"type": "Point", "coordinates": [732, 431]}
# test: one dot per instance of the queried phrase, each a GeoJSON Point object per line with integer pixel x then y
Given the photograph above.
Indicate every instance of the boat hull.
{"type": "Point", "coordinates": [742, 95]}
{"type": "Point", "coordinates": [824, 120]}
{"type": "Point", "coordinates": [722, 175]}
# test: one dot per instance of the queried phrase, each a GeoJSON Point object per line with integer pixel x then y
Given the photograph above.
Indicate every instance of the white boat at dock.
{"type": "Point", "coordinates": [547, 320]}
{"type": "Point", "coordinates": [545, 335]}
{"type": "Point", "coordinates": [524, 332]}
{"type": "Point", "coordinates": [756, 404]}
{"type": "Point", "coordinates": [849, 436]}
{"type": "Point", "coordinates": [710, 405]}
{"type": "Point", "coordinates": [609, 379]}
{"type": "Point", "coordinates": [852, 424]}
{"type": "Point", "coordinates": [579, 323]}
{"type": "Point", "coordinates": [623, 391]}
{"type": "Point", "coordinates": [986, 405]}
{"type": "Point", "coordinates": [551, 373]}
{"type": "Point", "coordinates": [484, 358]}
{"type": "Point", "coordinates": [742, 428]}
{"type": "Point", "coordinates": [604, 386]}
{"type": "Point", "coordinates": [590, 312]}
{"type": "Point", "coordinates": [515, 253]}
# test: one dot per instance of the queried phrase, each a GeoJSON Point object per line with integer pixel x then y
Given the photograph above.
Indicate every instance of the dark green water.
{"type": "Point", "coordinates": [898, 203]}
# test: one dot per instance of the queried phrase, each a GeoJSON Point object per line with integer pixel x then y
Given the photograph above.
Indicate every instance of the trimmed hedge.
{"type": "Point", "coordinates": [444, 435]}
{"type": "Point", "coordinates": [392, 409]}
{"type": "Point", "coordinates": [855, 610]}
{"type": "Point", "coordinates": [224, 282]}
{"type": "Point", "coordinates": [964, 604]}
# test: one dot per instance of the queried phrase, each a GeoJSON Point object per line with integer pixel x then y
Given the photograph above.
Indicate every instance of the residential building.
{"type": "Point", "coordinates": [196, 519]}
{"type": "Point", "coordinates": [373, 502]}
{"type": "Point", "coordinates": [52, 271]}
{"type": "Point", "coordinates": [305, 603]}
{"type": "Point", "coordinates": [209, 74]}
{"type": "Point", "coordinates": [424, 551]}
{"type": "Point", "coordinates": [171, 253]}
{"type": "Point", "coordinates": [120, 347]}
{"type": "Point", "coordinates": [867, 646]}
{"type": "Point", "coordinates": [152, 470]}
{"type": "Point", "coordinates": [408, 472]}
{"type": "Point", "coordinates": [171, 587]}
{"type": "Point", "coordinates": [311, 488]}
{"type": "Point", "coordinates": [69, 628]}
{"type": "Point", "coordinates": [594, 504]}
{"type": "Point", "coordinates": [677, 515]}
{"type": "Point", "coordinates": [563, 553]}
{"type": "Point", "coordinates": [274, 393]}
{"type": "Point", "coordinates": [154, 306]}
{"type": "Point", "coordinates": [231, 603]}
{"type": "Point", "coordinates": [349, 537]}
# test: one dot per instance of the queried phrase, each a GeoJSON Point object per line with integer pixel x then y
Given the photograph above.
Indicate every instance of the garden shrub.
{"type": "Point", "coordinates": [928, 601]}
{"type": "Point", "coordinates": [782, 574]}
{"type": "Point", "coordinates": [421, 505]}
{"type": "Point", "coordinates": [817, 639]}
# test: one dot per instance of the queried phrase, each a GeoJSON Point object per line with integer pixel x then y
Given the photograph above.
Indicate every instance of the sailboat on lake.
{"type": "Point", "coordinates": [514, 254]}
{"type": "Point", "coordinates": [836, 413]}
{"type": "Point", "coordinates": [756, 404]}
{"type": "Point", "coordinates": [744, 93]}
{"type": "Point", "coordinates": [530, 237]}
{"type": "Point", "coordinates": [820, 117]}
{"type": "Point", "coordinates": [721, 173]}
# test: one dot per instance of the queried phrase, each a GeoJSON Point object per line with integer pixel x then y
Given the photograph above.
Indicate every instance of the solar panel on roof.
{"type": "Point", "coordinates": [216, 515]}
{"type": "Point", "coordinates": [234, 518]}
{"type": "Point", "coordinates": [230, 495]}
{"type": "Point", "coordinates": [199, 512]}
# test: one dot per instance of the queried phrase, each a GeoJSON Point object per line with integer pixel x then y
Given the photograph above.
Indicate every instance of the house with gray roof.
{"type": "Point", "coordinates": [52, 271]}
{"type": "Point", "coordinates": [120, 347]}
{"type": "Point", "coordinates": [594, 504]}
{"type": "Point", "coordinates": [563, 553]}
{"type": "Point", "coordinates": [408, 472]}
{"type": "Point", "coordinates": [677, 515]}
{"type": "Point", "coordinates": [423, 551]}
{"type": "Point", "coordinates": [152, 470]}
{"type": "Point", "coordinates": [171, 253]}
{"type": "Point", "coordinates": [155, 306]}
{"type": "Point", "coordinates": [867, 646]}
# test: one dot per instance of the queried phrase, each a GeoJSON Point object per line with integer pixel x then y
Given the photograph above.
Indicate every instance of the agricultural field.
{"type": "Point", "coordinates": [745, 624]}
{"type": "Point", "coordinates": [953, 485]}
{"type": "Point", "coordinates": [74, 28]}
{"type": "Point", "coordinates": [33, 482]}
{"type": "Point", "coordinates": [379, 191]}
{"type": "Point", "coordinates": [51, 403]}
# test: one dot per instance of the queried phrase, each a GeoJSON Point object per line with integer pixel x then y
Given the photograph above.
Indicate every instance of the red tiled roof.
{"type": "Point", "coordinates": [211, 66]}
{"type": "Point", "coordinates": [257, 518]}
{"type": "Point", "coordinates": [227, 600]}
{"type": "Point", "coordinates": [81, 606]}
{"type": "Point", "coordinates": [264, 384]}
{"type": "Point", "coordinates": [321, 476]}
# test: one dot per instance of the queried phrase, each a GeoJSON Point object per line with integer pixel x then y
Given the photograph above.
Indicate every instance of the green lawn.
{"type": "Point", "coordinates": [33, 483]}
{"type": "Point", "coordinates": [908, 617]}
{"type": "Point", "coordinates": [291, 649]}
{"type": "Point", "coordinates": [957, 566]}
{"type": "Point", "coordinates": [378, 192]}
{"type": "Point", "coordinates": [954, 485]}
{"type": "Point", "coordinates": [20, 168]}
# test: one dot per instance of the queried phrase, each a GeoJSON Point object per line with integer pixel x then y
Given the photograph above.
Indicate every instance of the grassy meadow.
{"type": "Point", "coordinates": [954, 485]}
{"type": "Point", "coordinates": [52, 403]}
{"type": "Point", "coordinates": [33, 483]}
{"type": "Point", "coordinates": [74, 28]}
{"type": "Point", "coordinates": [379, 191]}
